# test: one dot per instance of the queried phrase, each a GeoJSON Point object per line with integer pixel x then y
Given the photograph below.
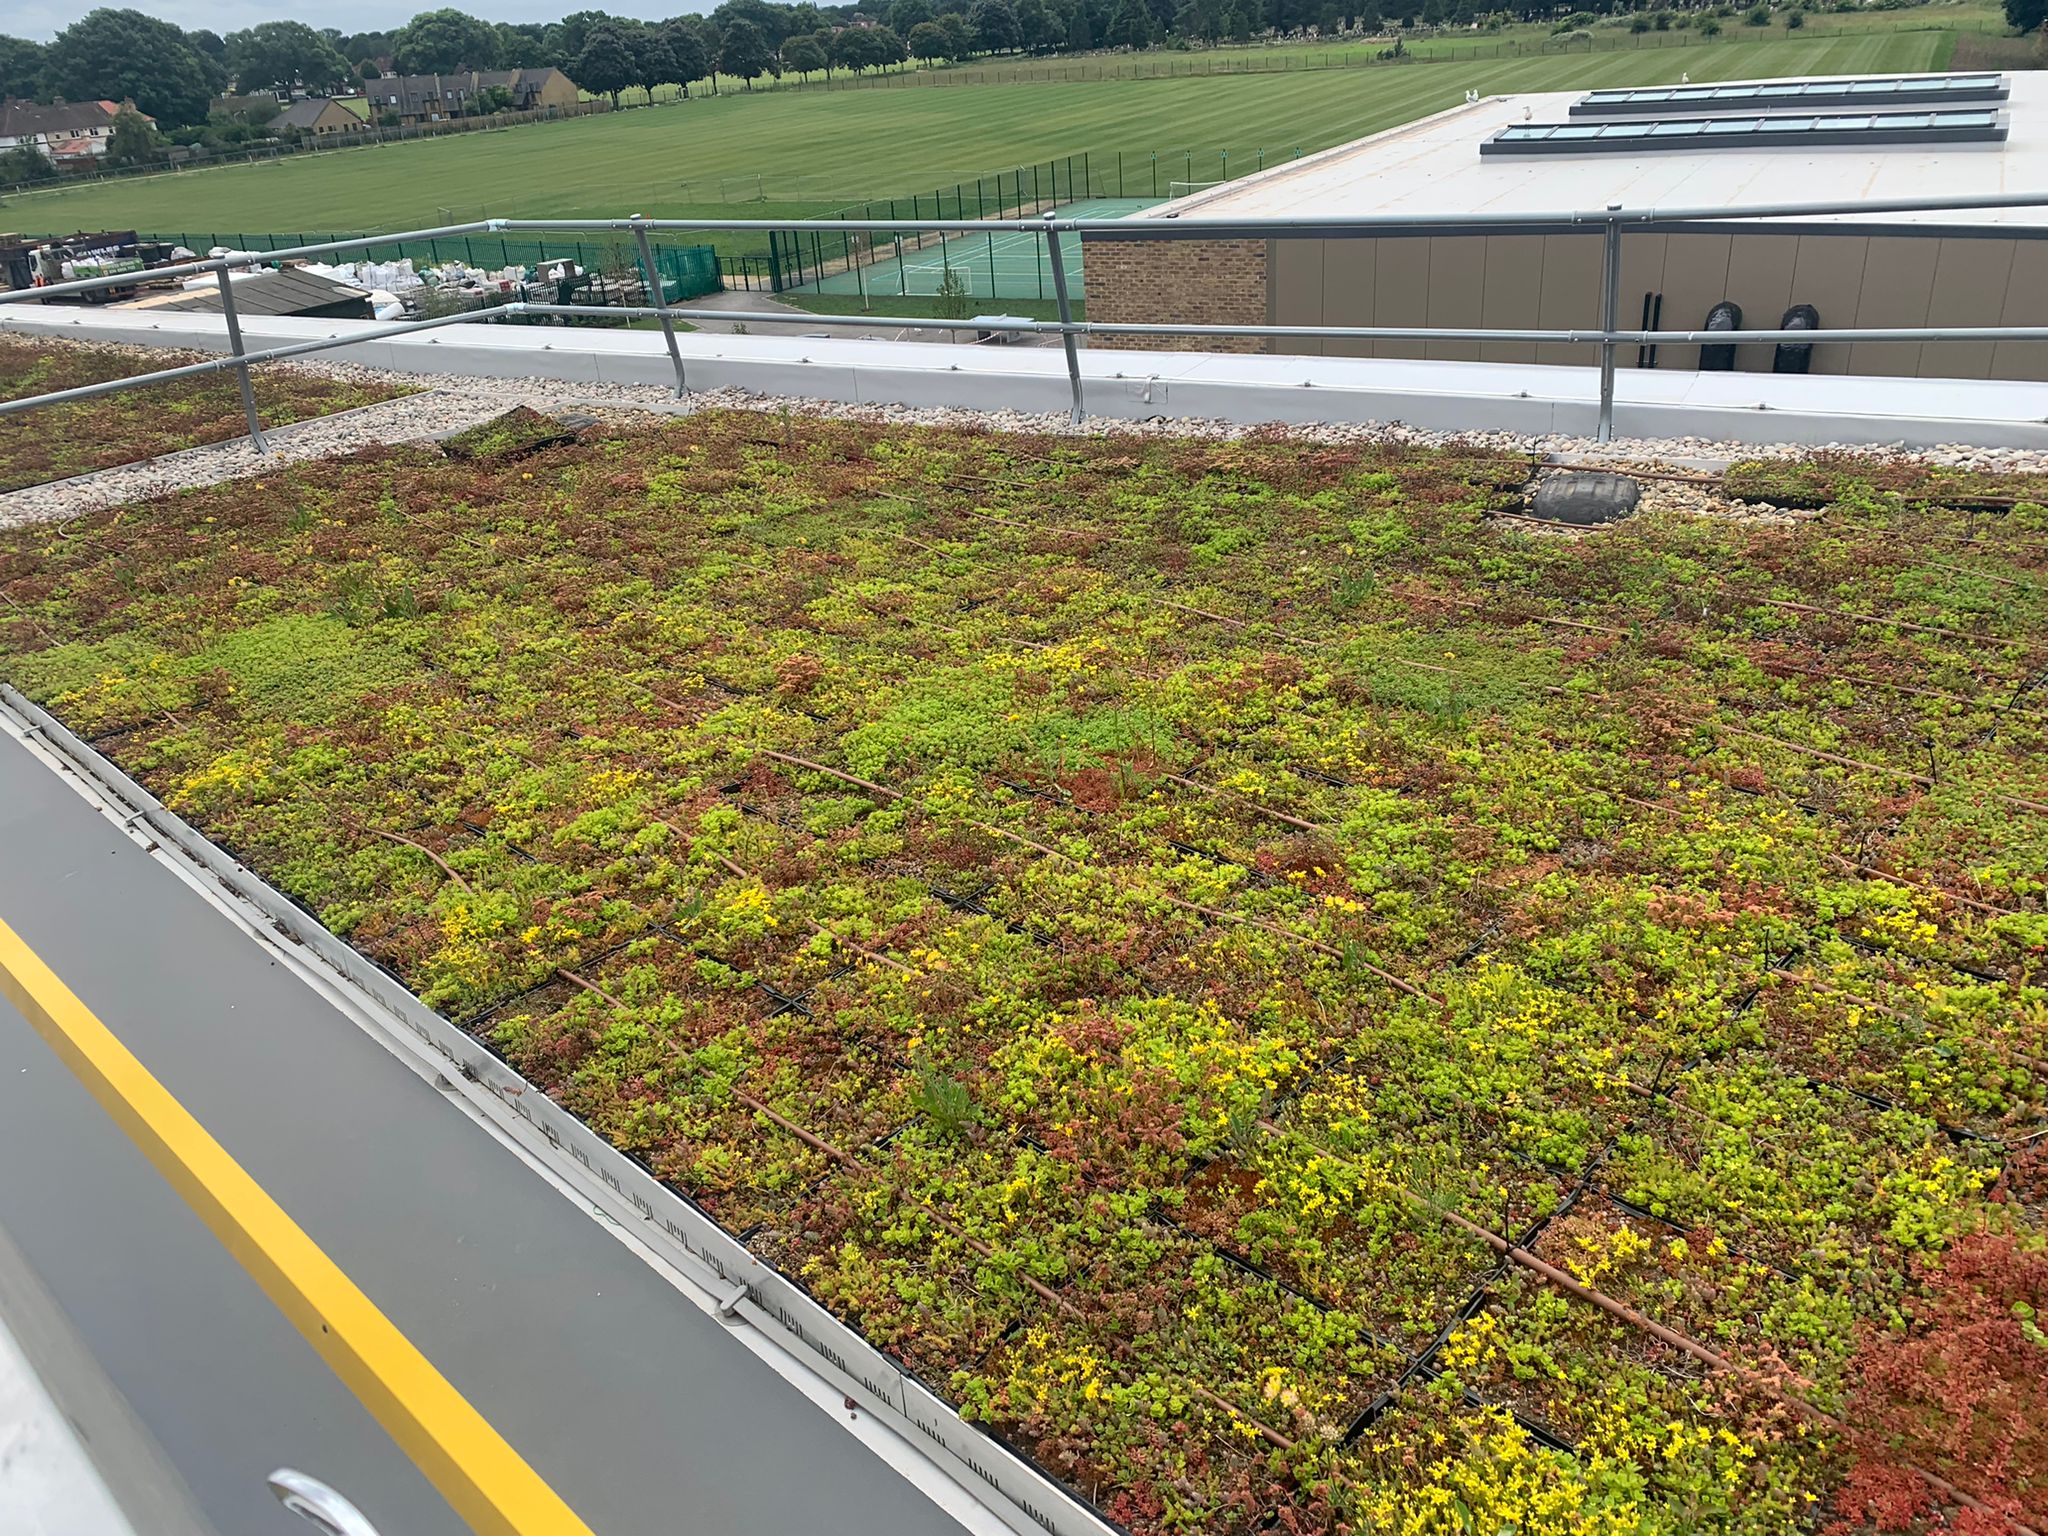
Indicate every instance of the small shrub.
{"type": "Point", "coordinates": [952, 296]}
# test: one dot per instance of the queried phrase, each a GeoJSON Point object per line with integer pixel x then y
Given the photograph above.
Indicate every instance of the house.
{"type": "Point", "coordinates": [436, 98]}
{"type": "Point", "coordinates": [318, 117]}
{"type": "Point", "coordinates": [72, 133]}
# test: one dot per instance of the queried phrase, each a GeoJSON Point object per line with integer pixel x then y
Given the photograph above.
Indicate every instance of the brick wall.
{"type": "Point", "coordinates": [1199, 282]}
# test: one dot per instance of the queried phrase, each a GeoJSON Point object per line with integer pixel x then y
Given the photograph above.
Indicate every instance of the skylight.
{"type": "Point", "coordinates": [1885, 91]}
{"type": "Point", "coordinates": [1755, 131]}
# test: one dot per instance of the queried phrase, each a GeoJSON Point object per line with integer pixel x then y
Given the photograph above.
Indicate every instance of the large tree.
{"type": "Point", "coordinates": [744, 52]}
{"type": "Point", "coordinates": [864, 48]}
{"type": "Point", "coordinates": [653, 64]}
{"type": "Point", "coordinates": [803, 56]}
{"type": "Point", "coordinates": [906, 16]}
{"type": "Point", "coordinates": [110, 55]}
{"type": "Point", "coordinates": [772, 21]}
{"type": "Point", "coordinates": [888, 47]}
{"type": "Point", "coordinates": [213, 53]}
{"type": "Point", "coordinates": [931, 42]}
{"type": "Point", "coordinates": [2026, 15]}
{"type": "Point", "coordinates": [606, 62]}
{"type": "Point", "coordinates": [567, 37]}
{"type": "Point", "coordinates": [281, 54]}
{"type": "Point", "coordinates": [21, 67]}
{"type": "Point", "coordinates": [366, 45]}
{"type": "Point", "coordinates": [522, 45]}
{"type": "Point", "coordinates": [1130, 26]}
{"type": "Point", "coordinates": [959, 34]}
{"type": "Point", "coordinates": [1037, 28]}
{"type": "Point", "coordinates": [684, 39]}
{"type": "Point", "coordinates": [442, 42]}
{"type": "Point", "coordinates": [995, 25]}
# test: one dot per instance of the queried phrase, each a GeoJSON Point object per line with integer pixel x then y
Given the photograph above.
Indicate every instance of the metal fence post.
{"type": "Point", "coordinates": [227, 309]}
{"type": "Point", "coordinates": [1059, 292]}
{"type": "Point", "coordinates": [668, 326]}
{"type": "Point", "coordinates": [1610, 303]}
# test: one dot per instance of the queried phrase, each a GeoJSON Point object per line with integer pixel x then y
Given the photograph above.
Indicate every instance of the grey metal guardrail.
{"type": "Point", "coordinates": [1611, 223]}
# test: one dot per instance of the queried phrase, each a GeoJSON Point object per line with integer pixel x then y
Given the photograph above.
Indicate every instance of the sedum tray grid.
{"type": "Point", "coordinates": [1121, 922]}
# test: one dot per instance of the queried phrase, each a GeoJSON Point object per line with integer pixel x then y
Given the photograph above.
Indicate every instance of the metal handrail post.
{"type": "Point", "coordinates": [1610, 304]}
{"type": "Point", "coordinates": [668, 324]}
{"type": "Point", "coordinates": [1066, 308]}
{"type": "Point", "coordinates": [227, 308]}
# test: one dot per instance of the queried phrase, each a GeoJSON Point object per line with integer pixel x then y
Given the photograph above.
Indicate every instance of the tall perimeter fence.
{"type": "Point", "coordinates": [906, 260]}
{"type": "Point", "coordinates": [803, 256]}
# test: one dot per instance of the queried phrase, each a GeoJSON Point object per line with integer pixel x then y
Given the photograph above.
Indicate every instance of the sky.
{"type": "Point", "coordinates": [43, 19]}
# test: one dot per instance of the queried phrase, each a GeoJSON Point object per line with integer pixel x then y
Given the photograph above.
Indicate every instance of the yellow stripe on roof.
{"type": "Point", "coordinates": [483, 1479]}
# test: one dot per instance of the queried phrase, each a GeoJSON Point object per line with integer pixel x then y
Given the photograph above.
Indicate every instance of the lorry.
{"type": "Point", "coordinates": [33, 262]}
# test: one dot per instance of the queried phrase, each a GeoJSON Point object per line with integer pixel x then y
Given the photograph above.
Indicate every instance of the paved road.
{"type": "Point", "coordinates": [644, 1413]}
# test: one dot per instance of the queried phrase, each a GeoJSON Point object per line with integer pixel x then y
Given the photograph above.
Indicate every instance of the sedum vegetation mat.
{"type": "Point", "coordinates": [1296, 1003]}
{"type": "Point", "coordinates": [59, 441]}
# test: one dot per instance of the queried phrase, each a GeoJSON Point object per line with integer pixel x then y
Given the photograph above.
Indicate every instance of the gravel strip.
{"type": "Point", "coordinates": [1679, 452]}
{"type": "Point", "coordinates": [322, 437]}
{"type": "Point", "coordinates": [451, 402]}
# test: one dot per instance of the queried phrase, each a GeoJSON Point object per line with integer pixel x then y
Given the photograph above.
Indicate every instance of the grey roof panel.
{"type": "Point", "coordinates": [1751, 130]}
{"type": "Point", "coordinates": [288, 291]}
{"type": "Point", "coordinates": [1748, 96]}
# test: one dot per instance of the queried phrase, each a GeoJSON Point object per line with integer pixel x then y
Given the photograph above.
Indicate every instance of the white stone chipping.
{"type": "Point", "coordinates": [447, 403]}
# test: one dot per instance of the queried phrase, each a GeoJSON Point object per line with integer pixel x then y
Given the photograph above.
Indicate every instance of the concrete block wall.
{"type": "Point", "coordinates": [1199, 282]}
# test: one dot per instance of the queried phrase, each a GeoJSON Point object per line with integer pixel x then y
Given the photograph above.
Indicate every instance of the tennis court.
{"type": "Point", "coordinates": [997, 265]}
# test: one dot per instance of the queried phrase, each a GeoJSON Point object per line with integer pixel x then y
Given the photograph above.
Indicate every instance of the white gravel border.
{"type": "Point", "coordinates": [447, 403]}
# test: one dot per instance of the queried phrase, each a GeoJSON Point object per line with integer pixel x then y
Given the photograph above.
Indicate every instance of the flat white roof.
{"type": "Point", "coordinates": [1434, 166]}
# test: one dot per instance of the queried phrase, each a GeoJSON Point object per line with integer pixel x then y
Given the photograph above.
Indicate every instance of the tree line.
{"type": "Point", "coordinates": [177, 76]}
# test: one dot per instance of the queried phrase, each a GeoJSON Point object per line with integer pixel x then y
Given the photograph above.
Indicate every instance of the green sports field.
{"type": "Point", "coordinates": [671, 160]}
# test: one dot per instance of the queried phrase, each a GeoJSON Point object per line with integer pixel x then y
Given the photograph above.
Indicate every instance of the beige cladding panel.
{"type": "Point", "coordinates": [2026, 303]}
{"type": "Point", "coordinates": [1513, 294]}
{"type": "Point", "coordinates": [1401, 292]}
{"type": "Point", "coordinates": [1898, 285]}
{"type": "Point", "coordinates": [1570, 295]}
{"type": "Point", "coordinates": [1299, 291]}
{"type": "Point", "coordinates": [1457, 292]}
{"type": "Point", "coordinates": [1553, 282]}
{"type": "Point", "coordinates": [1350, 279]}
{"type": "Point", "coordinates": [1695, 280]}
{"type": "Point", "coordinates": [1970, 278]}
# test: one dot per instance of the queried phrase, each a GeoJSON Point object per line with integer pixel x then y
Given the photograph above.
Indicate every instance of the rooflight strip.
{"type": "Point", "coordinates": [1752, 131]}
{"type": "Point", "coordinates": [1877, 91]}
